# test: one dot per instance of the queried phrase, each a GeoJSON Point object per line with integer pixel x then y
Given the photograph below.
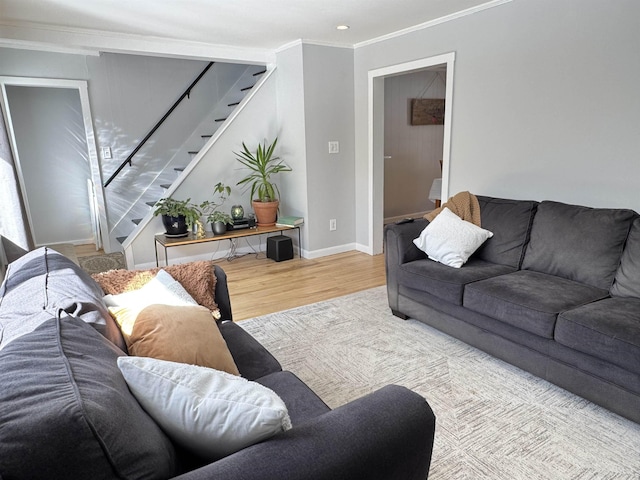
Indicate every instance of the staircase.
{"type": "Point", "coordinates": [170, 170]}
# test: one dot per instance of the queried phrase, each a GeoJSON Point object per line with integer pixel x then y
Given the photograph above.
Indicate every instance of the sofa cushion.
{"type": "Point", "coordinates": [450, 240]}
{"type": "Point", "coordinates": [608, 329]}
{"type": "Point", "coordinates": [161, 289]}
{"type": "Point", "coordinates": [578, 243]}
{"type": "Point", "coordinates": [528, 300]}
{"type": "Point", "coordinates": [510, 221]}
{"type": "Point", "coordinates": [445, 282]}
{"type": "Point", "coordinates": [66, 411]}
{"type": "Point", "coordinates": [43, 282]}
{"type": "Point", "coordinates": [178, 333]}
{"type": "Point", "coordinates": [209, 412]}
{"type": "Point", "coordinates": [627, 280]}
{"type": "Point", "coordinates": [197, 278]}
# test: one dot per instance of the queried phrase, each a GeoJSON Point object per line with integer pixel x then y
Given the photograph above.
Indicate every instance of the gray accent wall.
{"type": "Point", "coordinates": [545, 101]}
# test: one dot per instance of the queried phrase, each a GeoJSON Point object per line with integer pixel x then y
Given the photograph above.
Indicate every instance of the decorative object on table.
{"type": "Point", "coordinates": [178, 216]}
{"type": "Point", "coordinates": [264, 193]}
{"type": "Point", "coordinates": [289, 221]}
{"type": "Point", "coordinates": [198, 229]}
{"type": "Point", "coordinates": [218, 220]}
{"type": "Point", "coordinates": [237, 212]}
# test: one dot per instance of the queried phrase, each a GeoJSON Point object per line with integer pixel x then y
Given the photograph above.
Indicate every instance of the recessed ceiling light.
{"type": "Point", "coordinates": [343, 27]}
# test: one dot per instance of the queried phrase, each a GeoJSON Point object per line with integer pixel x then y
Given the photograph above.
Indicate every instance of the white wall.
{"type": "Point", "coordinates": [289, 78]}
{"type": "Point", "coordinates": [545, 101]}
{"type": "Point", "coordinates": [328, 116]}
{"type": "Point", "coordinates": [415, 150]}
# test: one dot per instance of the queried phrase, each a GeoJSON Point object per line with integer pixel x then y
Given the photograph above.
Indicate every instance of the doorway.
{"type": "Point", "coordinates": [413, 138]}
{"type": "Point", "coordinates": [52, 140]}
{"type": "Point", "coordinates": [376, 137]}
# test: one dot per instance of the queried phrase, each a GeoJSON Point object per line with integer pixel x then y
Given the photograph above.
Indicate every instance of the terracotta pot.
{"type": "Point", "coordinates": [266, 212]}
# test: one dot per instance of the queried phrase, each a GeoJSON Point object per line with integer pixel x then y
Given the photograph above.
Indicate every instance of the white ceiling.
{"type": "Point", "coordinates": [248, 24]}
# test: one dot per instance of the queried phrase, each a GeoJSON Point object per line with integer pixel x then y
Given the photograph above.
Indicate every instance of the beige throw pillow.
{"type": "Point", "coordinates": [176, 333]}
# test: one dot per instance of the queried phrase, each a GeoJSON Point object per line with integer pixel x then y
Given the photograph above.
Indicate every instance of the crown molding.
{"type": "Point", "coordinates": [78, 40]}
{"type": "Point", "coordinates": [433, 23]}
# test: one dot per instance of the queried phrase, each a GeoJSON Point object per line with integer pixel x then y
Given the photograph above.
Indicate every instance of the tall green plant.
{"type": "Point", "coordinates": [210, 207]}
{"type": "Point", "coordinates": [262, 164]}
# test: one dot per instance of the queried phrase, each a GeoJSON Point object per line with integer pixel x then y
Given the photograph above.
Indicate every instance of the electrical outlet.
{"type": "Point", "coordinates": [334, 147]}
{"type": "Point", "coordinates": [332, 224]}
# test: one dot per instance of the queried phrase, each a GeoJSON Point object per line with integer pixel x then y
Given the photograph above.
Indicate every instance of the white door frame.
{"type": "Point", "coordinates": [94, 164]}
{"type": "Point", "coordinates": [376, 137]}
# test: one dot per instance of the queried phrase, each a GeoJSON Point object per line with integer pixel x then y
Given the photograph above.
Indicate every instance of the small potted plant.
{"type": "Point", "coordinates": [264, 193]}
{"type": "Point", "coordinates": [178, 216]}
{"type": "Point", "coordinates": [219, 220]}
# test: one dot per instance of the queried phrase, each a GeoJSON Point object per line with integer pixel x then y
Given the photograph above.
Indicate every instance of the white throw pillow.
{"type": "Point", "coordinates": [450, 240]}
{"type": "Point", "coordinates": [211, 413]}
{"type": "Point", "coordinates": [161, 289]}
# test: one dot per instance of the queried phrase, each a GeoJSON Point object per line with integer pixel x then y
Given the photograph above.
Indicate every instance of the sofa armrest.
{"type": "Point", "coordinates": [399, 249]}
{"type": "Point", "coordinates": [399, 245]}
{"type": "Point", "coordinates": [222, 293]}
{"type": "Point", "coordinates": [386, 434]}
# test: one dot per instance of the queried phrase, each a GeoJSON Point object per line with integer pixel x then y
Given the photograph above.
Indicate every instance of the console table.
{"type": "Point", "coordinates": [168, 242]}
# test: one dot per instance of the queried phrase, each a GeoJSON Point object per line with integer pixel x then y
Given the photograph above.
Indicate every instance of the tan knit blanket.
{"type": "Point", "coordinates": [463, 204]}
{"type": "Point", "coordinates": [197, 278]}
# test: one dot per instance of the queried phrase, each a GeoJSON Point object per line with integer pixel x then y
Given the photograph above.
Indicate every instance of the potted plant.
{"type": "Point", "coordinates": [219, 220]}
{"type": "Point", "coordinates": [178, 216]}
{"type": "Point", "coordinates": [264, 194]}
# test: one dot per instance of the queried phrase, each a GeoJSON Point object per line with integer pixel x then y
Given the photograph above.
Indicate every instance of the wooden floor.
{"type": "Point", "coordinates": [261, 286]}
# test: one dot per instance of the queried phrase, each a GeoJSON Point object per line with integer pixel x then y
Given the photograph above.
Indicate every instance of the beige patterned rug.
{"type": "Point", "coordinates": [494, 421]}
{"type": "Point", "coordinates": [102, 263]}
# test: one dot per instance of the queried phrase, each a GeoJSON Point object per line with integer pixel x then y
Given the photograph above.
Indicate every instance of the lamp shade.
{"type": "Point", "coordinates": [436, 190]}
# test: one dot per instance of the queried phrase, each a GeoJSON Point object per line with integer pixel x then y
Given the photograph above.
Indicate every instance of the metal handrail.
{"type": "Point", "coordinates": [186, 93]}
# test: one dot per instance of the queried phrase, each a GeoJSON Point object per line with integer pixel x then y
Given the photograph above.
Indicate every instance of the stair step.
{"type": "Point", "coordinates": [137, 221]}
{"type": "Point", "coordinates": [233, 104]}
{"type": "Point", "coordinates": [166, 185]}
{"type": "Point", "coordinates": [246, 88]}
{"type": "Point", "coordinates": [260, 73]}
{"type": "Point", "coordinates": [220, 119]}
{"type": "Point", "coordinates": [151, 204]}
{"type": "Point", "coordinates": [193, 152]}
{"type": "Point", "coordinates": [121, 239]}
{"type": "Point", "coordinates": [179, 169]}
{"type": "Point", "coordinates": [206, 136]}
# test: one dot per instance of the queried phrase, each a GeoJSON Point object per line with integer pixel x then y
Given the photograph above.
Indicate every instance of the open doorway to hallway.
{"type": "Point", "coordinates": [55, 159]}
{"type": "Point", "coordinates": [376, 142]}
{"type": "Point", "coordinates": [412, 143]}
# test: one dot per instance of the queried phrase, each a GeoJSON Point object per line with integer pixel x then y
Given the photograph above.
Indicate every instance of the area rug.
{"type": "Point", "coordinates": [494, 421]}
{"type": "Point", "coordinates": [102, 263]}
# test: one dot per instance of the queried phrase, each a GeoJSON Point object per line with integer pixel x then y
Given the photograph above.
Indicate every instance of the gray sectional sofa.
{"type": "Point", "coordinates": [555, 291]}
{"type": "Point", "coordinates": [66, 411]}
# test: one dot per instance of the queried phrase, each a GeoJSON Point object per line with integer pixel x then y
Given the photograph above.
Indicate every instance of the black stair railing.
{"type": "Point", "coordinates": [186, 94]}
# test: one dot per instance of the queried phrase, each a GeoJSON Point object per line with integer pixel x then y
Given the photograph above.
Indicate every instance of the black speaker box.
{"type": "Point", "coordinates": [279, 248]}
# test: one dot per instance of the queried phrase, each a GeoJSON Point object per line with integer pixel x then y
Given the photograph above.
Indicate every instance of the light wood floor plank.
{"type": "Point", "coordinates": [261, 286]}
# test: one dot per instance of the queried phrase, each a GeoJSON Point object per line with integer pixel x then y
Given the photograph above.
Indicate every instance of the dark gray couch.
{"type": "Point", "coordinates": [555, 291]}
{"type": "Point", "coordinates": [66, 412]}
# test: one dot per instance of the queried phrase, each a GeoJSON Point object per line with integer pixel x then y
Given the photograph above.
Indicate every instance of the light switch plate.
{"type": "Point", "coordinates": [334, 147]}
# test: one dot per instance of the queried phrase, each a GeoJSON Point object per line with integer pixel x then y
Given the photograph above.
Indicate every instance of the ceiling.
{"type": "Point", "coordinates": [247, 24]}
